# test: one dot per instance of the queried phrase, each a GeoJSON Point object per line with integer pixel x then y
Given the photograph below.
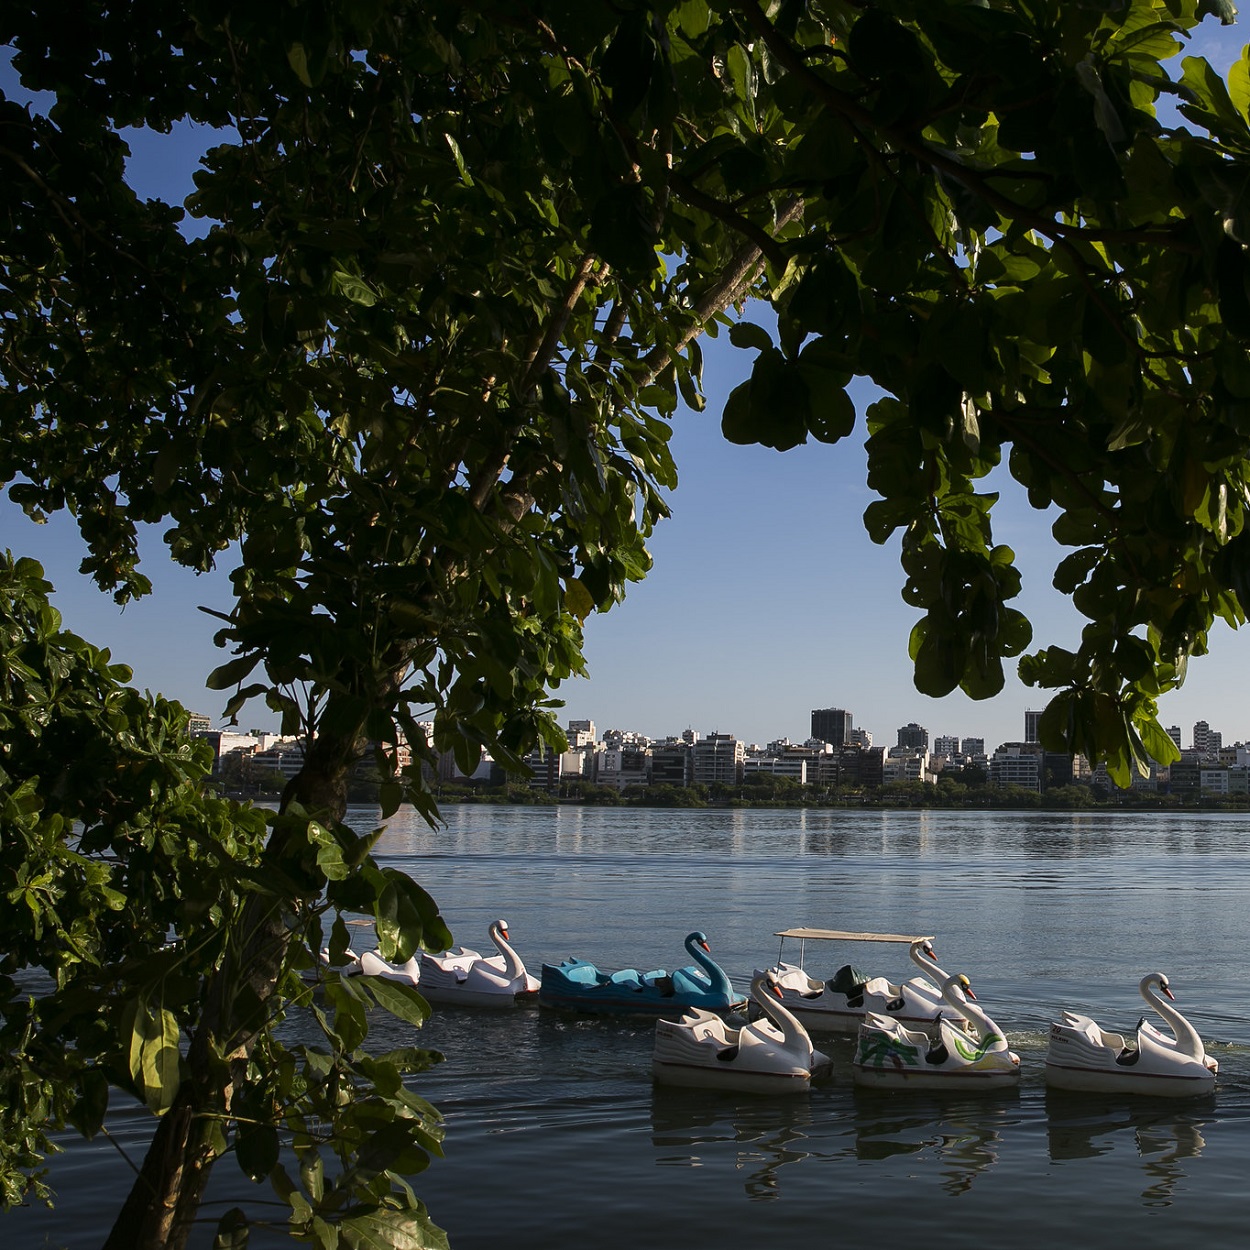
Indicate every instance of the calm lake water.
{"type": "Point", "coordinates": [557, 1138]}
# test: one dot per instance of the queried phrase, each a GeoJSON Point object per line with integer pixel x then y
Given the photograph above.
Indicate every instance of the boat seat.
{"type": "Point", "coordinates": [939, 1054]}
{"type": "Point", "coordinates": [1126, 1058]}
{"type": "Point", "coordinates": [848, 980]}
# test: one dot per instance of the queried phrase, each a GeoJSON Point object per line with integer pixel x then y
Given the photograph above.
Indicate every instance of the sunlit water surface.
{"type": "Point", "coordinates": [557, 1138]}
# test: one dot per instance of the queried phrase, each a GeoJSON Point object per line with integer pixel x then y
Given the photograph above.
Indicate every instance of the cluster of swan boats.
{"type": "Point", "coordinates": [927, 1033]}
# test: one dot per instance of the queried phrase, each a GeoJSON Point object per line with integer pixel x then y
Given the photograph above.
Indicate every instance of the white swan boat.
{"type": "Point", "coordinates": [459, 975]}
{"type": "Point", "coordinates": [770, 1056]}
{"type": "Point", "coordinates": [840, 1004]}
{"type": "Point", "coordinates": [473, 980]}
{"type": "Point", "coordinates": [890, 1055]}
{"type": "Point", "coordinates": [1083, 1056]}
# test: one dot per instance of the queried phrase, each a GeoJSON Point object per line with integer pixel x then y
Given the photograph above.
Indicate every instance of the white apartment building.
{"type": "Point", "coordinates": [1012, 765]}
{"type": "Point", "coordinates": [786, 765]}
{"type": "Point", "coordinates": [718, 758]}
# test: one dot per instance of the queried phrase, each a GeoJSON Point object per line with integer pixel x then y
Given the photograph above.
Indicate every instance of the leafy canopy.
{"type": "Point", "coordinates": [413, 344]}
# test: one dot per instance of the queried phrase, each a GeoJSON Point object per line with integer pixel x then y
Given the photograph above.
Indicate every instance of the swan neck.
{"type": "Point", "coordinates": [513, 967]}
{"type": "Point", "coordinates": [984, 1026]}
{"type": "Point", "coordinates": [1187, 1039]}
{"type": "Point", "coordinates": [717, 974]}
{"type": "Point", "coordinates": [794, 1034]}
{"type": "Point", "coordinates": [925, 964]}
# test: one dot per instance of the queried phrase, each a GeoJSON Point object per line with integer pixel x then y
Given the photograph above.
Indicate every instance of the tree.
{"type": "Point", "coordinates": [443, 284]}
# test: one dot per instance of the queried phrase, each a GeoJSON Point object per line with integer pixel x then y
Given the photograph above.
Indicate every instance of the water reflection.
{"type": "Point", "coordinates": [1163, 1137]}
{"type": "Point", "coordinates": [962, 1138]}
{"type": "Point", "coordinates": [688, 1127]}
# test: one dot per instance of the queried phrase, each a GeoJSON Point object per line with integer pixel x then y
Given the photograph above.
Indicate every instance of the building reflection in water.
{"type": "Point", "coordinates": [1078, 1128]}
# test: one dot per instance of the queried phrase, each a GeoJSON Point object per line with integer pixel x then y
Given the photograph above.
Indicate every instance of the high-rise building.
{"type": "Point", "coordinates": [1207, 741]}
{"type": "Point", "coordinates": [718, 757]}
{"type": "Point", "coordinates": [1030, 725]}
{"type": "Point", "coordinates": [1174, 732]}
{"type": "Point", "coordinates": [914, 736]}
{"type": "Point", "coordinates": [974, 746]}
{"type": "Point", "coordinates": [832, 725]}
{"type": "Point", "coordinates": [946, 745]}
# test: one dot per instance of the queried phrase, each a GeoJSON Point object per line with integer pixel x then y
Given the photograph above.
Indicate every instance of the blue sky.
{"type": "Point", "coordinates": [767, 598]}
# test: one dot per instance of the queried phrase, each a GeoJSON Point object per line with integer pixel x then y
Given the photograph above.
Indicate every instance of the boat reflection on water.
{"type": "Point", "coordinates": [1163, 1138]}
{"type": "Point", "coordinates": [962, 1137]}
{"type": "Point", "coordinates": [763, 1136]}
{"type": "Point", "coordinates": [693, 1128]}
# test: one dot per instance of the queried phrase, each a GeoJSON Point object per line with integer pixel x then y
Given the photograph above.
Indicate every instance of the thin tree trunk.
{"type": "Point", "coordinates": [164, 1200]}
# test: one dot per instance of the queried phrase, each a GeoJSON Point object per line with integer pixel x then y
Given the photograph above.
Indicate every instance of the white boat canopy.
{"type": "Point", "coordinates": [843, 935]}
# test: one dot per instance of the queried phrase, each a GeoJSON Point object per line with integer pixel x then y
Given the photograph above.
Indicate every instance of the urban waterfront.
{"type": "Point", "coordinates": [556, 1137]}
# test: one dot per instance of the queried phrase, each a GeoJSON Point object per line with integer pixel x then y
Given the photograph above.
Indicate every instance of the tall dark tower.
{"type": "Point", "coordinates": [832, 725]}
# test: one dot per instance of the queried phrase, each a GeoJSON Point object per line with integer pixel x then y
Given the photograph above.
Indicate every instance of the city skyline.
{"type": "Point", "coordinates": [766, 599]}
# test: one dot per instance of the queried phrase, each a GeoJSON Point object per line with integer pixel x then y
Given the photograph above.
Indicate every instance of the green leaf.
{"type": "Point", "coordinates": [748, 334]}
{"type": "Point", "coordinates": [154, 1055]}
{"type": "Point", "coordinates": [394, 1230]}
{"type": "Point", "coordinates": [232, 1231]}
{"type": "Point", "coordinates": [257, 1150]}
{"type": "Point", "coordinates": [354, 287]}
{"type": "Point", "coordinates": [297, 59]}
{"type": "Point", "coordinates": [227, 675]}
{"type": "Point", "coordinates": [736, 423]}
{"type": "Point", "coordinates": [401, 1000]}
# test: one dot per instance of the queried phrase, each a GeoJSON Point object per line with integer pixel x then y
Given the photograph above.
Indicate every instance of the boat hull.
{"type": "Point", "coordinates": [697, 1076]}
{"type": "Point", "coordinates": [955, 1081]}
{"type": "Point", "coordinates": [478, 998]}
{"type": "Point", "coordinates": [1147, 1084]}
{"type": "Point", "coordinates": [607, 1000]}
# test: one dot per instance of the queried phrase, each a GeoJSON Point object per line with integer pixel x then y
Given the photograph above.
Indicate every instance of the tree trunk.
{"type": "Point", "coordinates": [164, 1201]}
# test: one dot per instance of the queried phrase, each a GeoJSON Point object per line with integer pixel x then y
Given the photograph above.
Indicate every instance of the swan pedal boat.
{"type": "Point", "coordinates": [1085, 1057]}
{"type": "Point", "coordinates": [578, 985]}
{"type": "Point", "coordinates": [770, 1056]}
{"type": "Point", "coordinates": [840, 1004]}
{"type": "Point", "coordinates": [462, 977]}
{"type": "Point", "coordinates": [888, 1055]}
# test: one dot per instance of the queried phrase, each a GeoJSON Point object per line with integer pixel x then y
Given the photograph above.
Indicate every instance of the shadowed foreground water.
{"type": "Point", "coordinates": [556, 1137]}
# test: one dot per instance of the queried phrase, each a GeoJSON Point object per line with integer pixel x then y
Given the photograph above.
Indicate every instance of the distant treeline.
{"type": "Point", "coordinates": [769, 791]}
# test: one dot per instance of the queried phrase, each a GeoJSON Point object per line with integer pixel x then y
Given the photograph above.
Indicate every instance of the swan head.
{"type": "Point", "coordinates": [699, 939]}
{"type": "Point", "coordinates": [962, 984]}
{"type": "Point", "coordinates": [502, 926]}
{"type": "Point", "coordinates": [1160, 981]}
{"type": "Point", "coordinates": [925, 947]}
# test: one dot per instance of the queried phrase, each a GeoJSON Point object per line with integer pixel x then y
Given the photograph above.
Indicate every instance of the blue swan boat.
{"type": "Point", "coordinates": [578, 985]}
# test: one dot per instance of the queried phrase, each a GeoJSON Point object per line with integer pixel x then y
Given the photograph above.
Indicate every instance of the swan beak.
{"type": "Point", "coordinates": [776, 989]}
{"type": "Point", "coordinates": [1168, 992]}
{"type": "Point", "coordinates": [706, 947]}
{"type": "Point", "coordinates": [968, 993]}
{"type": "Point", "coordinates": [504, 935]}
